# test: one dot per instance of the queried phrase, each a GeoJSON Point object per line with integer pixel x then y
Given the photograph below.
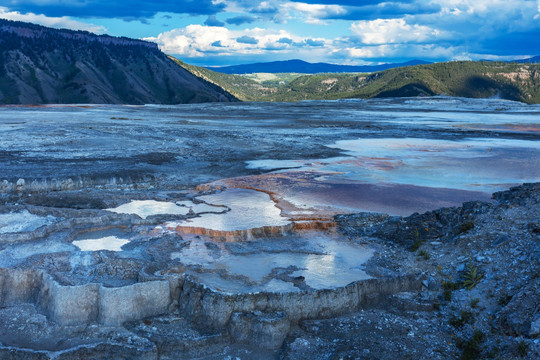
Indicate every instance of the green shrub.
{"type": "Point", "coordinates": [447, 294]}
{"type": "Point", "coordinates": [522, 348]}
{"type": "Point", "coordinates": [472, 347]}
{"type": "Point", "coordinates": [465, 317]}
{"type": "Point", "coordinates": [418, 241]}
{"type": "Point", "coordinates": [472, 276]}
{"type": "Point", "coordinates": [464, 227]}
{"type": "Point", "coordinates": [474, 303]}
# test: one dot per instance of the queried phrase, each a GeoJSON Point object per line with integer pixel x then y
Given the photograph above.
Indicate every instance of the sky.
{"type": "Point", "coordinates": [361, 32]}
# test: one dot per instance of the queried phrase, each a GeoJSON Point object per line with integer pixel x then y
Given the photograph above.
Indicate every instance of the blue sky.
{"type": "Point", "coordinates": [223, 32]}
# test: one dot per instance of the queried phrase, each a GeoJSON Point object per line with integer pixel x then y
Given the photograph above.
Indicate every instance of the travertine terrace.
{"type": "Point", "coordinates": [207, 231]}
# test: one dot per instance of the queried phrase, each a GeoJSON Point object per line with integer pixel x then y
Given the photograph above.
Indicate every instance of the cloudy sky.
{"type": "Point", "coordinates": [222, 32]}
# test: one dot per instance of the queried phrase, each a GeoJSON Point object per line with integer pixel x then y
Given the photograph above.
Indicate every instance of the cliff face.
{"type": "Point", "coordinates": [39, 65]}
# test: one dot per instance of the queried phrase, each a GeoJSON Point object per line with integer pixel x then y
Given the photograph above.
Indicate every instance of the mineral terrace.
{"type": "Point", "coordinates": [287, 259]}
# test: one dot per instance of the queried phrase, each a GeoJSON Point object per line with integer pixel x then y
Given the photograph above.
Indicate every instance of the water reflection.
{"type": "Point", "coordinates": [111, 243]}
{"type": "Point", "coordinates": [23, 221]}
{"type": "Point", "coordinates": [249, 209]}
{"type": "Point", "coordinates": [112, 240]}
{"type": "Point", "coordinates": [145, 208]}
{"type": "Point", "coordinates": [469, 164]}
{"type": "Point", "coordinates": [323, 261]}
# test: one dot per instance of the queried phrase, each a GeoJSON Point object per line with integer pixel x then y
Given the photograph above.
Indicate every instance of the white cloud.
{"type": "Point", "coordinates": [370, 51]}
{"type": "Point", "coordinates": [392, 31]}
{"type": "Point", "coordinates": [485, 17]}
{"type": "Point", "coordinates": [420, 51]}
{"type": "Point", "coordinates": [313, 13]}
{"type": "Point", "coordinates": [55, 22]}
{"type": "Point", "coordinates": [199, 41]}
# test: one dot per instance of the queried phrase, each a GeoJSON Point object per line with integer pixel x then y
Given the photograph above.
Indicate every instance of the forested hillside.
{"type": "Point", "coordinates": [512, 81]}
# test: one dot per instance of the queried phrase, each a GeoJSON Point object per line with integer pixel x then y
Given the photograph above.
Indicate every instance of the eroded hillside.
{"type": "Point", "coordinates": [39, 65]}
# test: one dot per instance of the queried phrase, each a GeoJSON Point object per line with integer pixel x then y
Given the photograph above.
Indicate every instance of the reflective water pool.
{"type": "Point", "coordinates": [248, 209]}
{"type": "Point", "coordinates": [319, 261]}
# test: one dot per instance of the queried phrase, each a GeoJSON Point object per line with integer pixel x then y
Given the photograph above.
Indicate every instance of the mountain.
{"type": "Point", "coordinates": [481, 79]}
{"type": "Point", "coordinates": [518, 82]}
{"type": "Point", "coordinates": [303, 67]}
{"type": "Point", "coordinates": [532, 60]}
{"type": "Point", "coordinates": [40, 65]}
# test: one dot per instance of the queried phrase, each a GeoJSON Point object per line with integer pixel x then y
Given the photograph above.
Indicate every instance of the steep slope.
{"type": "Point", "coordinates": [40, 65]}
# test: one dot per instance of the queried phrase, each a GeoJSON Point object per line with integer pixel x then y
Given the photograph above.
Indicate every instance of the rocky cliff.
{"type": "Point", "coordinates": [40, 65]}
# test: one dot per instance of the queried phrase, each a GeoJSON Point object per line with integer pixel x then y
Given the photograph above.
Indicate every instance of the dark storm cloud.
{"type": "Point", "coordinates": [127, 10]}
{"type": "Point", "coordinates": [242, 19]}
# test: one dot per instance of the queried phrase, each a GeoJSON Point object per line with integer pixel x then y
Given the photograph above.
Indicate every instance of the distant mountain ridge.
{"type": "Point", "coordinates": [473, 79]}
{"type": "Point", "coordinates": [303, 67]}
{"type": "Point", "coordinates": [40, 65]}
{"type": "Point", "coordinates": [532, 60]}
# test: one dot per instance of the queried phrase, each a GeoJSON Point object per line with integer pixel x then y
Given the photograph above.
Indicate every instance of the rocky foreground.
{"type": "Point", "coordinates": [481, 295]}
{"type": "Point", "coordinates": [451, 283]}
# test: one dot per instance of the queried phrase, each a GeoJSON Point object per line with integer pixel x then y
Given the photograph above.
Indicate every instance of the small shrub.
{"type": "Point", "coordinates": [522, 348]}
{"type": "Point", "coordinates": [474, 303]}
{"type": "Point", "coordinates": [472, 347]}
{"type": "Point", "coordinates": [465, 317]}
{"type": "Point", "coordinates": [447, 284]}
{"type": "Point", "coordinates": [472, 276]}
{"type": "Point", "coordinates": [465, 226]}
{"type": "Point", "coordinates": [447, 294]}
{"type": "Point", "coordinates": [450, 285]}
{"type": "Point", "coordinates": [418, 241]}
{"type": "Point", "coordinates": [416, 244]}
{"type": "Point", "coordinates": [424, 254]}
{"type": "Point", "coordinates": [504, 300]}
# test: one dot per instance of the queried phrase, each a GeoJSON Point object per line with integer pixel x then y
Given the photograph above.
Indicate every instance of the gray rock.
{"type": "Point", "coordinates": [519, 315]}
{"type": "Point", "coordinates": [535, 327]}
{"type": "Point", "coordinates": [266, 330]}
{"type": "Point", "coordinates": [118, 305]}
